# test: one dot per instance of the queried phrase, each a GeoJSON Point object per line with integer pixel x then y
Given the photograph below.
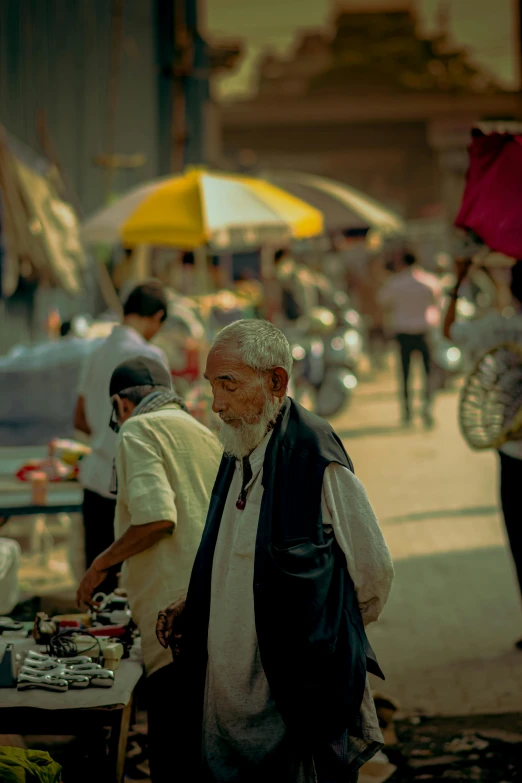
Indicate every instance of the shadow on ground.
{"type": "Point", "coordinates": [421, 516]}
{"type": "Point", "coordinates": [445, 641]}
{"type": "Point", "coordinates": [369, 431]}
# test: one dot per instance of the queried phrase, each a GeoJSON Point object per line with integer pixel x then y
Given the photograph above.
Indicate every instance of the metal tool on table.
{"type": "Point", "coordinates": [41, 665]}
{"type": "Point", "coordinates": [78, 672]}
{"type": "Point", "coordinates": [44, 682]}
{"type": "Point", "coordinates": [112, 610]}
{"type": "Point", "coordinates": [102, 679]}
{"type": "Point", "coordinates": [98, 676]}
{"type": "Point", "coordinates": [79, 660]}
{"type": "Point", "coordinates": [8, 625]}
{"type": "Point", "coordinates": [75, 681]}
{"type": "Point", "coordinates": [43, 660]}
{"type": "Point", "coordinates": [33, 655]}
{"type": "Point", "coordinates": [85, 667]}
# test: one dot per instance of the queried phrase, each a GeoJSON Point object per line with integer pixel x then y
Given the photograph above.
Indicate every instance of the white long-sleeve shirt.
{"type": "Point", "coordinates": [123, 343]}
{"type": "Point", "coordinates": [241, 723]}
{"type": "Point", "coordinates": [412, 299]}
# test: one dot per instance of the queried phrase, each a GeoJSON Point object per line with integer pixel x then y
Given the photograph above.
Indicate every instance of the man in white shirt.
{"type": "Point", "coordinates": [291, 567]}
{"type": "Point", "coordinates": [476, 338]}
{"type": "Point", "coordinates": [411, 298]}
{"type": "Point", "coordinates": [143, 315]}
{"type": "Point", "coordinates": [166, 464]}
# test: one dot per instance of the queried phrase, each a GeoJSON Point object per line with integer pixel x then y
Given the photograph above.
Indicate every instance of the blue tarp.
{"type": "Point", "coordinates": [38, 391]}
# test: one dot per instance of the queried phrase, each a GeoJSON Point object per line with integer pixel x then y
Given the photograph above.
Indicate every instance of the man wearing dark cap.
{"type": "Point", "coordinates": [166, 463]}
{"type": "Point", "coordinates": [144, 312]}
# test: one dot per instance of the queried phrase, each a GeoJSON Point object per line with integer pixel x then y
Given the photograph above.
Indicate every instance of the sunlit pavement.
{"type": "Point", "coordinates": [445, 640]}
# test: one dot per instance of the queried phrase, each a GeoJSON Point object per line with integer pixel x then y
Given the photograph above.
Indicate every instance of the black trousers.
{"type": "Point", "coordinates": [377, 347]}
{"type": "Point", "coordinates": [510, 484]}
{"type": "Point", "coordinates": [408, 345]}
{"type": "Point", "coordinates": [98, 526]}
{"type": "Point", "coordinates": [161, 734]}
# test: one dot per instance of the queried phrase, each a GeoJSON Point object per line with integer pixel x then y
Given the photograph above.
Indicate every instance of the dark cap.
{"type": "Point", "coordinates": [140, 371]}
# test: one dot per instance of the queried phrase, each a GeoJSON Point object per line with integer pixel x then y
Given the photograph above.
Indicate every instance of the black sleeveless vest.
{"type": "Point", "coordinates": [311, 638]}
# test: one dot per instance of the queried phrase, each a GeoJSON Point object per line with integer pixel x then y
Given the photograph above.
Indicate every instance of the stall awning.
{"type": "Point", "coordinates": [37, 225]}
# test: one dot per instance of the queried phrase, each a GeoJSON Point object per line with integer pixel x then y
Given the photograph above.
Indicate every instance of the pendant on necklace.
{"type": "Point", "coordinates": [241, 504]}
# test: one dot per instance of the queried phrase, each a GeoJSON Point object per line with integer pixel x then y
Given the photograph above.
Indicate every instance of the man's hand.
{"type": "Point", "coordinates": [169, 626]}
{"type": "Point", "coordinates": [92, 579]}
{"type": "Point", "coordinates": [462, 267]}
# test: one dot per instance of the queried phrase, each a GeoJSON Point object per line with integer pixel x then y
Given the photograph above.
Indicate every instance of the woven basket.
{"type": "Point", "coordinates": [490, 410]}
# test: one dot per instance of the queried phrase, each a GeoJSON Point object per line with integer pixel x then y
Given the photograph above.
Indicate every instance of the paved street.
{"type": "Point", "coordinates": [446, 637]}
{"type": "Point", "coordinates": [445, 640]}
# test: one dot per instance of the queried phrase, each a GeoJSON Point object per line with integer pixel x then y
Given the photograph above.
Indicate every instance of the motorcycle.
{"type": "Point", "coordinates": [448, 361]}
{"type": "Point", "coordinates": [184, 341]}
{"type": "Point", "coordinates": [326, 356]}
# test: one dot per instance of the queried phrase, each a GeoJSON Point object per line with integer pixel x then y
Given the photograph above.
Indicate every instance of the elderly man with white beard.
{"type": "Point", "coordinates": [270, 643]}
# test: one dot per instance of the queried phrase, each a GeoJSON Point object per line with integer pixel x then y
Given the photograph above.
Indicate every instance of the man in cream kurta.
{"type": "Point", "coordinates": [241, 724]}
{"type": "Point", "coordinates": [166, 465]}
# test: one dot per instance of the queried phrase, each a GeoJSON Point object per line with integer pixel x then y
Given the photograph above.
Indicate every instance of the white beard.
{"type": "Point", "coordinates": [241, 441]}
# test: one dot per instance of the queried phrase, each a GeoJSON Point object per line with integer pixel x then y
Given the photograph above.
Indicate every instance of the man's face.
{"type": "Point", "coordinates": [122, 409]}
{"type": "Point", "coordinates": [153, 325]}
{"type": "Point", "coordinates": [246, 401]}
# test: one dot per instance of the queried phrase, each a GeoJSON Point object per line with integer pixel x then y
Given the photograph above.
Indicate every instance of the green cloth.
{"type": "Point", "coordinates": [28, 766]}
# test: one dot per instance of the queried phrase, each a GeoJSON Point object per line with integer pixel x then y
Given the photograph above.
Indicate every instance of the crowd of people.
{"type": "Point", "coordinates": [253, 562]}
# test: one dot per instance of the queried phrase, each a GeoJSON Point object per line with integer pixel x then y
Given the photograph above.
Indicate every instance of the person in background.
{"type": "Point", "coordinates": [66, 329]}
{"type": "Point", "coordinates": [411, 297]}
{"type": "Point", "coordinates": [292, 566]}
{"type": "Point", "coordinates": [370, 281]}
{"type": "Point", "coordinates": [143, 315]}
{"type": "Point", "coordinates": [476, 338]}
{"type": "Point", "coordinates": [166, 463]}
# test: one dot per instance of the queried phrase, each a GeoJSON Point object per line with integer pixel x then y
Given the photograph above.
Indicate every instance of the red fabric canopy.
{"type": "Point", "coordinates": [492, 201]}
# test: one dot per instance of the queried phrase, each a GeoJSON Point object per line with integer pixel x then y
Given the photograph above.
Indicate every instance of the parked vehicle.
{"type": "Point", "coordinates": [183, 338]}
{"type": "Point", "coordinates": [448, 360]}
{"type": "Point", "coordinates": [326, 356]}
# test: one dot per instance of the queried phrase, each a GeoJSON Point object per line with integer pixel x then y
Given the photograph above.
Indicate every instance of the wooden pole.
{"type": "Point", "coordinates": [179, 107]}
{"type": "Point", "coordinates": [113, 91]}
{"type": "Point", "coordinates": [201, 270]}
{"type": "Point", "coordinates": [105, 282]}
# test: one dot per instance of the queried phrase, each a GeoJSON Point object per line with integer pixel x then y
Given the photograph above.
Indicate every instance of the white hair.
{"type": "Point", "coordinates": [260, 344]}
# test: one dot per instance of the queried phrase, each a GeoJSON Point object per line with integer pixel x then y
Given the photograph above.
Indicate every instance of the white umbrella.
{"type": "Point", "coordinates": [198, 208]}
{"type": "Point", "coordinates": [343, 207]}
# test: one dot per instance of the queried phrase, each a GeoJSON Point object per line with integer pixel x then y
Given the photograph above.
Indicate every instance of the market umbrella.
{"type": "Point", "coordinates": [342, 206]}
{"type": "Point", "coordinates": [201, 207]}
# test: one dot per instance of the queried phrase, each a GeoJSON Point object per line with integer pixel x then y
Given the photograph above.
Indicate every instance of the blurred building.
{"type": "Point", "coordinates": [109, 93]}
{"type": "Point", "coordinates": [373, 103]}
{"type": "Point", "coordinates": [117, 91]}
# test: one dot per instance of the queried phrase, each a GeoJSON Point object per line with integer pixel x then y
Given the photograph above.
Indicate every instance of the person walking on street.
{"type": "Point", "coordinates": [476, 338]}
{"type": "Point", "coordinates": [166, 463]}
{"type": "Point", "coordinates": [143, 315]}
{"type": "Point", "coordinates": [411, 296]}
{"type": "Point", "coordinates": [270, 642]}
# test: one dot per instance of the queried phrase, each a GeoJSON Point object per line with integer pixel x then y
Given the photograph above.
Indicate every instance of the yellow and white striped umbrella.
{"type": "Point", "coordinates": [199, 207]}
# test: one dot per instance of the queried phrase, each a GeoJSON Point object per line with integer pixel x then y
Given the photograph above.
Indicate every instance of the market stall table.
{"type": "Point", "coordinates": [83, 713]}
{"type": "Point", "coordinates": [16, 502]}
{"type": "Point", "coordinates": [16, 498]}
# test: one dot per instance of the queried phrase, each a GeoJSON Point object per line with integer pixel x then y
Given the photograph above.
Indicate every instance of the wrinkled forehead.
{"type": "Point", "coordinates": [224, 363]}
